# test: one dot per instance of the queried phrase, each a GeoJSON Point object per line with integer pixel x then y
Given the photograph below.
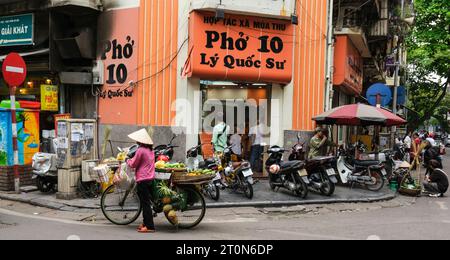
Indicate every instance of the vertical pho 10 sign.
{"type": "Point", "coordinates": [14, 73]}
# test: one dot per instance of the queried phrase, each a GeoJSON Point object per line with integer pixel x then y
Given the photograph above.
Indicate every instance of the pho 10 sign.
{"type": "Point", "coordinates": [14, 70]}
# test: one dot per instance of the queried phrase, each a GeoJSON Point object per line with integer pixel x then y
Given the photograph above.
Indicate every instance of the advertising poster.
{"type": "Point", "coordinates": [6, 147]}
{"type": "Point", "coordinates": [30, 135]}
{"type": "Point", "coordinates": [49, 98]}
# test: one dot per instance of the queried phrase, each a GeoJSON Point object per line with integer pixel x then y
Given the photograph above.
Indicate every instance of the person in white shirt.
{"type": "Point", "coordinates": [431, 141]}
{"type": "Point", "coordinates": [408, 143]}
{"type": "Point", "coordinates": [257, 139]}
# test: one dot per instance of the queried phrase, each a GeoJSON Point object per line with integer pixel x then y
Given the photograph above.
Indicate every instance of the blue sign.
{"type": "Point", "coordinates": [401, 95]}
{"type": "Point", "coordinates": [379, 90]}
{"type": "Point", "coordinates": [17, 30]}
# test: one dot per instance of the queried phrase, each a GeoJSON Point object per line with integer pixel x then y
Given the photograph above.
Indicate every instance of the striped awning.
{"type": "Point", "coordinates": [359, 115]}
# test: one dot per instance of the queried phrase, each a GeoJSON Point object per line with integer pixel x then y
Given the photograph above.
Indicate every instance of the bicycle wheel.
{"type": "Point", "coordinates": [190, 215]}
{"type": "Point", "coordinates": [119, 206]}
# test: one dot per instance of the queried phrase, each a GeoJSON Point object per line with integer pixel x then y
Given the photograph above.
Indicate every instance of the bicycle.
{"type": "Point", "coordinates": [123, 207]}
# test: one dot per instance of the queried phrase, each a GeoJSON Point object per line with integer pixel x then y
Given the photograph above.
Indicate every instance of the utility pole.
{"type": "Point", "coordinates": [394, 102]}
{"type": "Point", "coordinates": [330, 59]}
{"type": "Point", "coordinates": [398, 60]}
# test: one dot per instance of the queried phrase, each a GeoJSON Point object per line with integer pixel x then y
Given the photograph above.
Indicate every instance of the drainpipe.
{"type": "Point", "coordinates": [330, 59]}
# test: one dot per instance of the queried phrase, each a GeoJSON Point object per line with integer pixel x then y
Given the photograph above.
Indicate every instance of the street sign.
{"type": "Point", "coordinates": [379, 93]}
{"type": "Point", "coordinates": [17, 30]}
{"type": "Point", "coordinates": [14, 70]}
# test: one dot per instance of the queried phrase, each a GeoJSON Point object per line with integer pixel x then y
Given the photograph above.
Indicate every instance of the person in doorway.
{"type": "Point", "coordinates": [220, 134]}
{"type": "Point", "coordinates": [236, 142]}
{"type": "Point", "coordinates": [319, 144]}
{"type": "Point", "coordinates": [220, 140]}
{"type": "Point", "coordinates": [257, 139]}
{"type": "Point", "coordinates": [144, 164]}
{"type": "Point", "coordinates": [437, 181]}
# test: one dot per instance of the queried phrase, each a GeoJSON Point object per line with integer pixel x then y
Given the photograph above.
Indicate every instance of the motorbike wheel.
{"type": "Point", "coordinates": [213, 191]}
{"type": "Point", "coordinates": [301, 192]}
{"type": "Point", "coordinates": [328, 186]}
{"type": "Point", "coordinates": [378, 178]}
{"type": "Point", "coordinates": [248, 190]}
{"type": "Point", "coordinates": [272, 186]}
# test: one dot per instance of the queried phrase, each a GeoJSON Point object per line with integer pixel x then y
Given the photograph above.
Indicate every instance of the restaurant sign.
{"type": "Point", "coordinates": [16, 30]}
{"type": "Point", "coordinates": [240, 48]}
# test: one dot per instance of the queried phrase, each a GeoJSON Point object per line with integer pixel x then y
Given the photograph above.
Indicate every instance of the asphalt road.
{"type": "Point", "coordinates": [403, 218]}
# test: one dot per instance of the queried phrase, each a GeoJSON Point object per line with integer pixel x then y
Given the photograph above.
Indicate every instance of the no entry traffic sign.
{"type": "Point", "coordinates": [14, 70]}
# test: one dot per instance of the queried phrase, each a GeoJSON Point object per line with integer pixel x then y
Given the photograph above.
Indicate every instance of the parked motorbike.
{"type": "Point", "coordinates": [290, 175]}
{"type": "Point", "coordinates": [45, 172]}
{"type": "Point", "coordinates": [195, 161]}
{"type": "Point", "coordinates": [163, 152]}
{"type": "Point", "coordinates": [370, 173]}
{"type": "Point", "coordinates": [321, 172]}
{"type": "Point", "coordinates": [238, 175]}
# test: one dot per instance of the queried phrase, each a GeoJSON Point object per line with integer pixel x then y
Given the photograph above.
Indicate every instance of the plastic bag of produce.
{"type": "Point", "coordinates": [122, 178]}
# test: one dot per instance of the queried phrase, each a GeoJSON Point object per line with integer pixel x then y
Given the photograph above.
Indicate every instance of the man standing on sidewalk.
{"type": "Point", "coordinates": [257, 139]}
{"type": "Point", "coordinates": [319, 144]}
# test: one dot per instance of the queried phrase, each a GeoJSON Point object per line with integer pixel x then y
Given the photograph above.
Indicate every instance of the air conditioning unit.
{"type": "Point", "coordinates": [98, 72]}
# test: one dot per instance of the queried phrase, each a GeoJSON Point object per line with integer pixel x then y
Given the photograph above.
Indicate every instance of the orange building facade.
{"type": "Point", "coordinates": [164, 58]}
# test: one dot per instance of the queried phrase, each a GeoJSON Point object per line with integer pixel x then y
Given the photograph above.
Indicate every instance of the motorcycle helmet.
{"type": "Point", "coordinates": [228, 171]}
{"type": "Point", "coordinates": [132, 151]}
{"type": "Point", "coordinates": [164, 158]}
{"type": "Point", "coordinates": [193, 153]}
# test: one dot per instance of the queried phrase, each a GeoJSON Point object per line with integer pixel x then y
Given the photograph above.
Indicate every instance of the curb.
{"type": "Point", "coordinates": [53, 205]}
{"type": "Point", "coordinates": [258, 204]}
{"type": "Point", "coordinates": [264, 204]}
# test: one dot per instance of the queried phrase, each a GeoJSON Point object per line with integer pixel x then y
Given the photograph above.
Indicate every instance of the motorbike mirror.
{"type": "Point", "coordinates": [173, 138]}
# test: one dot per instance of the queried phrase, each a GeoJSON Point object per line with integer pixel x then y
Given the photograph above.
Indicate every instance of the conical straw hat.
{"type": "Point", "coordinates": [142, 137]}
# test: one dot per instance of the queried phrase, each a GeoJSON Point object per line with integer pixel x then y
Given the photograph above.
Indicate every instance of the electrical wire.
{"type": "Point", "coordinates": [163, 69]}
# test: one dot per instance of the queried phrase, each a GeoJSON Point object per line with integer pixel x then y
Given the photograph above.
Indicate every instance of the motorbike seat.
{"type": "Point", "coordinates": [321, 159]}
{"type": "Point", "coordinates": [236, 164]}
{"type": "Point", "coordinates": [366, 163]}
{"type": "Point", "coordinates": [292, 164]}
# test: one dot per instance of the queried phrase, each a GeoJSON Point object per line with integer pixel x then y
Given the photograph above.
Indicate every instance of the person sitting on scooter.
{"type": "Point", "coordinates": [437, 182]}
{"type": "Point", "coordinates": [319, 144]}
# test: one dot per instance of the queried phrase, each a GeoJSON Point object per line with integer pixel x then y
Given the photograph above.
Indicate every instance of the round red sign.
{"type": "Point", "coordinates": [14, 70]}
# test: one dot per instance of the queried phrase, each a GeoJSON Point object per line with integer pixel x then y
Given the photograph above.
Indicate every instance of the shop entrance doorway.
{"type": "Point", "coordinates": [244, 106]}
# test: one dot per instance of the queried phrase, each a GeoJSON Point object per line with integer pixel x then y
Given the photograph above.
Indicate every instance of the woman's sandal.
{"type": "Point", "coordinates": [140, 227]}
{"type": "Point", "coordinates": [146, 230]}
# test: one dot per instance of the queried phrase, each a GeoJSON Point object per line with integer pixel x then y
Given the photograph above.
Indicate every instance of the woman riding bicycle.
{"type": "Point", "coordinates": [144, 164]}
